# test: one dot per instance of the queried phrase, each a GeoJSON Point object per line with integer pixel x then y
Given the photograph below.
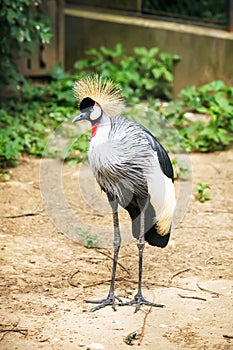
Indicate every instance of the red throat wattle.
{"type": "Point", "coordinates": [94, 130]}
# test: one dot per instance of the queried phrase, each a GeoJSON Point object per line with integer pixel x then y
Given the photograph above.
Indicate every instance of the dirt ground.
{"type": "Point", "coordinates": [44, 308]}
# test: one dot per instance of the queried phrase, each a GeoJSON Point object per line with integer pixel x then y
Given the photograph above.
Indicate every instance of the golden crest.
{"type": "Point", "coordinates": [104, 91]}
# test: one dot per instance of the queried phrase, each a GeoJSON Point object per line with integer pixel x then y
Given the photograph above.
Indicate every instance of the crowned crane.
{"type": "Point", "coordinates": [132, 168]}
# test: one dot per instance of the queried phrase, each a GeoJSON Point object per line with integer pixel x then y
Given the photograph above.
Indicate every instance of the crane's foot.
{"type": "Point", "coordinates": [139, 300]}
{"type": "Point", "coordinates": [110, 300]}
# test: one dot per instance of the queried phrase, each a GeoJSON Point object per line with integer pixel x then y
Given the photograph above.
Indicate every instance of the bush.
{"type": "Point", "coordinates": [147, 74]}
{"type": "Point", "coordinates": [214, 100]}
{"type": "Point", "coordinates": [27, 122]}
{"type": "Point", "coordinates": [21, 30]}
{"type": "Point", "coordinates": [25, 128]}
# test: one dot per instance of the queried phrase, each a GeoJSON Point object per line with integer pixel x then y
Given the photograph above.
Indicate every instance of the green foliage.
{"type": "Point", "coordinates": [78, 148]}
{"type": "Point", "coordinates": [6, 175]}
{"type": "Point", "coordinates": [214, 101]}
{"type": "Point", "coordinates": [132, 337]}
{"type": "Point", "coordinates": [181, 169]}
{"type": "Point", "coordinates": [199, 120]}
{"type": "Point", "coordinates": [25, 127]}
{"type": "Point", "coordinates": [21, 30]}
{"type": "Point", "coordinates": [146, 74]}
{"type": "Point", "coordinates": [91, 241]}
{"type": "Point", "coordinates": [201, 192]}
{"type": "Point", "coordinates": [58, 91]}
{"type": "Point", "coordinates": [27, 121]}
{"type": "Point", "coordinates": [216, 263]}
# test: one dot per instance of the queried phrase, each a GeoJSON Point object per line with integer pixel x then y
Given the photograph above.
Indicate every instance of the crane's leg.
{"type": "Point", "coordinates": [138, 298]}
{"type": "Point", "coordinates": [111, 298]}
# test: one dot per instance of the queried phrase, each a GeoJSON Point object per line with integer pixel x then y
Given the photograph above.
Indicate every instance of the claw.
{"type": "Point", "coordinates": [110, 300]}
{"type": "Point", "coordinates": [139, 300]}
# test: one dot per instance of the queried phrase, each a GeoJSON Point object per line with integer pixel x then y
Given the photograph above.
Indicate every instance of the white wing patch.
{"type": "Point", "coordinates": [162, 193]}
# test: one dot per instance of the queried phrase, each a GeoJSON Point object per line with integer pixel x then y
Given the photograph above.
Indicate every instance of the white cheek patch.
{"type": "Point", "coordinates": [96, 113]}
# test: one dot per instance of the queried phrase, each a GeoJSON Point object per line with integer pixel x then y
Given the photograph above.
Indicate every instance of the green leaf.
{"type": "Point", "coordinates": [157, 72]}
{"type": "Point", "coordinates": [217, 85]}
{"type": "Point", "coordinates": [167, 75]}
{"type": "Point", "coordinates": [153, 52]}
{"type": "Point", "coordinates": [11, 16]}
{"type": "Point", "coordinates": [141, 51]}
{"type": "Point", "coordinates": [149, 83]}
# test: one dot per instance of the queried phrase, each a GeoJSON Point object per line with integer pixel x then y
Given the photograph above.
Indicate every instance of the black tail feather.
{"type": "Point", "coordinates": [155, 239]}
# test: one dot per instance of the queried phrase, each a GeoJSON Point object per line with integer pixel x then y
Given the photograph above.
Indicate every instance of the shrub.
{"type": "Point", "coordinates": [21, 30]}
{"type": "Point", "coordinates": [214, 100]}
{"type": "Point", "coordinates": [147, 74]}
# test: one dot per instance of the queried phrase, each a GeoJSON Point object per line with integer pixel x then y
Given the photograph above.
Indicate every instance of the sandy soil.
{"type": "Point", "coordinates": [193, 276]}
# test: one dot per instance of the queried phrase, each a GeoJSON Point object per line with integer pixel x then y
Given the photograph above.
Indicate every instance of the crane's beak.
{"type": "Point", "coordinates": [82, 116]}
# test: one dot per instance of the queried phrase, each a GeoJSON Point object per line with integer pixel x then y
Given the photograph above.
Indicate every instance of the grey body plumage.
{"type": "Point", "coordinates": [118, 164]}
{"type": "Point", "coordinates": [126, 163]}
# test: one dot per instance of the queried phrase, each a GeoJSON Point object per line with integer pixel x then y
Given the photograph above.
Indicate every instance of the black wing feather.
{"type": "Point", "coordinates": [164, 160]}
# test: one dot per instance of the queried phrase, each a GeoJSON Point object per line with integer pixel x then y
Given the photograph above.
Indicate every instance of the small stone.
{"type": "Point", "coordinates": [196, 318]}
{"type": "Point", "coordinates": [96, 346]}
{"type": "Point", "coordinates": [163, 325]}
{"type": "Point", "coordinates": [32, 261]}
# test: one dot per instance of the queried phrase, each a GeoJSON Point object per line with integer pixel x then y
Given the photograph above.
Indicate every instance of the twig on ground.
{"type": "Point", "coordinates": [110, 257]}
{"type": "Point", "coordinates": [69, 279]}
{"type": "Point", "coordinates": [208, 291]}
{"type": "Point", "coordinates": [98, 283]}
{"type": "Point", "coordinates": [144, 326]}
{"type": "Point", "coordinates": [218, 211]}
{"type": "Point", "coordinates": [5, 331]}
{"type": "Point", "coordinates": [136, 282]}
{"type": "Point", "coordinates": [178, 273]}
{"type": "Point", "coordinates": [102, 282]}
{"type": "Point", "coordinates": [20, 215]}
{"type": "Point", "coordinates": [227, 336]}
{"type": "Point", "coordinates": [92, 258]}
{"type": "Point", "coordinates": [217, 169]}
{"type": "Point", "coordinates": [20, 330]}
{"type": "Point", "coordinates": [126, 280]}
{"type": "Point", "coordinates": [169, 286]}
{"type": "Point", "coordinates": [195, 267]}
{"type": "Point", "coordinates": [191, 297]}
{"type": "Point", "coordinates": [208, 260]}
{"type": "Point", "coordinates": [195, 227]}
